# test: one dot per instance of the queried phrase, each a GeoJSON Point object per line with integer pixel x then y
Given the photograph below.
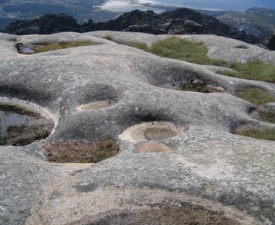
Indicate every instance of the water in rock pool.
{"type": "Point", "coordinates": [13, 116]}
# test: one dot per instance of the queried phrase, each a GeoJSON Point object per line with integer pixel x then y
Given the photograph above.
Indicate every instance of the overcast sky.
{"type": "Point", "coordinates": [240, 5]}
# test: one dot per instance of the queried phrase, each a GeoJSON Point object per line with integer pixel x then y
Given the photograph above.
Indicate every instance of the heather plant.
{"type": "Point", "coordinates": [80, 151]}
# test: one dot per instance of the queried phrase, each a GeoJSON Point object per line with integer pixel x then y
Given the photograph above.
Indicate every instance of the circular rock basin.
{"type": "Point", "coordinates": [168, 215]}
{"type": "Point", "coordinates": [21, 125]}
{"type": "Point", "coordinates": [152, 147]}
{"type": "Point", "coordinates": [159, 133]}
{"type": "Point", "coordinates": [151, 131]}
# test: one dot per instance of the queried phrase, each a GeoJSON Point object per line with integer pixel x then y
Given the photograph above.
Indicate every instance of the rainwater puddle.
{"type": "Point", "coordinates": [18, 126]}
{"type": "Point", "coordinates": [10, 118]}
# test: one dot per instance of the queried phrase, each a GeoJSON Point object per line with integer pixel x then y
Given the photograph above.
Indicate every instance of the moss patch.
{"type": "Point", "coordinates": [62, 45]}
{"type": "Point", "coordinates": [80, 151]}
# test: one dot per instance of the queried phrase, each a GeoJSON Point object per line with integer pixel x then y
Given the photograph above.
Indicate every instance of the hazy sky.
{"type": "Point", "coordinates": [240, 5]}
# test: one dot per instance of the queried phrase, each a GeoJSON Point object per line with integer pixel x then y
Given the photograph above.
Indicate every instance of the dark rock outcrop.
{"type": "Point", "coordinates": [47, 24]}
{"type": "Point", "coordinates": [179, 21]}
{"type": "Point", "coordinates": [269, 42]}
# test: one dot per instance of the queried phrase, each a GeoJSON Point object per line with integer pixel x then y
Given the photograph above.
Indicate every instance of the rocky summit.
{"type": "Point", "coordinates": [178, 161]}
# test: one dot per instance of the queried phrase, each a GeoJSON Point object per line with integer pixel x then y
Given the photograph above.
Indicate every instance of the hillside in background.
{"type": "Point", "coordinates": [259, 22]}
{"type": "Point", "coordinates": [179, 21]}
{"type": "Point", "coordinates": [256, 21]}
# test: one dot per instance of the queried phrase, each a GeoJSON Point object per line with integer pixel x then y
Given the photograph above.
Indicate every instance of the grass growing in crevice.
{"type": "Point", "coordinates": [133, 44]}
{"type": "Point", "coordinates": [254, 70]}
{"type": "Point", "coordinates": [62, 45]}
{"type": "Point", "coordinates": [177, 48]}
{"type": "Point", "coordinates": [267, 117]}
{"type": "Point", "coordinates": [80, 151]}
{"type": "Point", "coordinates": [256, 96]}
{"type": "Point", "coordinates": [196, 52]}
{"type": "Point", "coordinates": [265, 134]}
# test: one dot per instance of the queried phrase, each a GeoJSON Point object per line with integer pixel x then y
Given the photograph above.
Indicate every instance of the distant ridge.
{"type": "Point", "coordinates": [179, 21]}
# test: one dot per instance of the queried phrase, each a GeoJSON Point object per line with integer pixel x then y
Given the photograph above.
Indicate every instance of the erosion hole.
{"type": "Point", "coordinates": [151, 131]}
{"type": "Point", "coordinates": [159, 133]}
{"type": "Point", "coordinates": [152, 147]}
{"type": "Point", "coordinates": [22, 125]}
{"type": "Point", "coordinates": [97, 96]}
{"type": "Point", "coordinates": [168, 215]}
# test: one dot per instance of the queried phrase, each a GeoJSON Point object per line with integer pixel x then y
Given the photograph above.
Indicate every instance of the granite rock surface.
{"type": "Point", "coordinates": [200, 167]}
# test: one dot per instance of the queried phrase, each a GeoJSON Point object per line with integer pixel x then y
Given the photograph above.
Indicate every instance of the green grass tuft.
{"type": "Point", "coordinates": [177, 48]}
{"type": "Point", "coordinates": [254, 70]}
{"type": "Point", "coordinates": [196, 52]}
{"type": "Point", "coordinates": [265, 134]}
{"type": "Point", "coordinates": [256, 96]}
{"type": "Point", "coordinates": [62, 45]}
{"type": "Point", "coordinates": [267, 117]}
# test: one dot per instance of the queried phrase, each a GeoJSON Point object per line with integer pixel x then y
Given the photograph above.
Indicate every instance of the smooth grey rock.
{"type": "Point", "coordinates": [205, 166]}
{"type": "Point", "coordinates": [7, 50]}
{"type": "Point", "coordinates": [7, 37]}
{"type": "Point", "coordinates": [218, 47]}
{"type": "Point", "coordinates": [128, 37]}
{"type": "Point", "coordinates": [58, 37]}
{"type": "Point", "coordinates": [270, 107]}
